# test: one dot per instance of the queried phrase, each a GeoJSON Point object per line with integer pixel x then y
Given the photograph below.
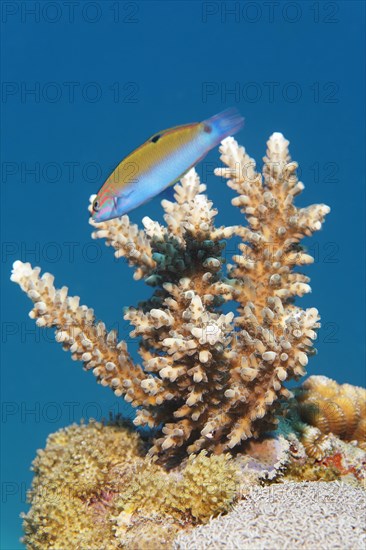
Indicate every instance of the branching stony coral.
{"type": "Point", "coordinates": [208, 380]}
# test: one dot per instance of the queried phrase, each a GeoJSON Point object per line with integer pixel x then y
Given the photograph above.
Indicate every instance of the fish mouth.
{"type": "Point", "coordinates": [105, 215]}
{"type": "Point", "coordinates": [97, 217]}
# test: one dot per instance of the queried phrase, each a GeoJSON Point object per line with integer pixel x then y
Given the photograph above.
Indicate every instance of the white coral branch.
{"type": "Point", "coordinates": [210, 379]}
{"type": "Point", "coordinates": [192, 210]}
{"type": "Point", "coordinates": [79, 333]}
{"type": "Point", "coordinates": [128, 240]}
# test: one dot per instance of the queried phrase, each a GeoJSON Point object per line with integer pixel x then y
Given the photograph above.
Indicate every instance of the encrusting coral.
{"type": "Point", "coordinates": [94, 488]}
{"type": "Point", "coordinates": [71, 500]}
{"type": "Point", "coordinates": [206, 486]}
{"type": "Point", "coordinates": [300, 516]}
{"type": "Point", "coordinates": [209, 380]}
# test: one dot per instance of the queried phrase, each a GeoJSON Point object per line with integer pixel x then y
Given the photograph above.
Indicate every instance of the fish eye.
{"type": "Point", "coordinates": [96, 206]}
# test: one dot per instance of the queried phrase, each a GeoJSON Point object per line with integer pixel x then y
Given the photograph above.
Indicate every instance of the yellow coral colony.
{"type": "Point", "coordinates": [94, 489]}
{"type": "Point", "coordinates": [72, 496]}
{"type": "Point", "coordinates": [210, 379]}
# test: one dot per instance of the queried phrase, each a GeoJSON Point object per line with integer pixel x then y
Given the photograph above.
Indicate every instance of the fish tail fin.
{"type": "Point", "coordinates": [224, 124]}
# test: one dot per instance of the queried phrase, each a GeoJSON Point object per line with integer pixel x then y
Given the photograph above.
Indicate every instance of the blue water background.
{"type": "Point", "coordinates": [107, 77]}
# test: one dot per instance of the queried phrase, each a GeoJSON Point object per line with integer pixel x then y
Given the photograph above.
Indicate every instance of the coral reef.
{"type": "Point", "coordinates": [337, 460]}
{"type": "Point", "coordinates": [209, 380]}
{"type": "Point", "coordinates": [206, 486]}
{"type": "Point", "coordinates": [334, 408]}
{"type": "Point", "coordinates": [266, 458]}
{"type": "Point", "coordinates": [313, 455]}
{"type": "Point", "coordinates": [211, 386]}
{"type": "Point", "coordinates": [70, 495]}
{"type": "Point", "coordinates": [290, 515]}
{"type": "Point", "coordinates": [94, 488]}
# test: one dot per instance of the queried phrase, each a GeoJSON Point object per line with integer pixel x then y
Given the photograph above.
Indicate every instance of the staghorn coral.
{"type": "Point", "coordinates": [333, 408]}
{"type": "Point", "coordinates": [211, 380]}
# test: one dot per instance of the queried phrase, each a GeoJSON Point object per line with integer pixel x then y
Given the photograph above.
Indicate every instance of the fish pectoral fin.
{"type": "Point", "coordinates": [126, 193]}
{"type": "Point", "coordinates": [129, 192]}
{"type": "Point", "coordinates": [119, 200]}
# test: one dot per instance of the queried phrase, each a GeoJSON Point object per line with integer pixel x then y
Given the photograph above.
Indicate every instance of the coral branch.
{"type": "Point", "coordinates": [127, 240]}
{"type": "Point", "coordinates": [208, 379]}
{"type": "Point", "coordinates": [78, 333]}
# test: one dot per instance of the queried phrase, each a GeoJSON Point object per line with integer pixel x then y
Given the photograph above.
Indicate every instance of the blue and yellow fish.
{"type": "Point", "coordinates": [161, 161]}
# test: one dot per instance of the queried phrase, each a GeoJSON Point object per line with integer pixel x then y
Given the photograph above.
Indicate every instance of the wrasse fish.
{"type": "Point", "coordinates": [160, 162]}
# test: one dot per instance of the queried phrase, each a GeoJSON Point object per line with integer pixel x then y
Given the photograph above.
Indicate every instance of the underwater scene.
{"type": "Point", "coordinates": [183, 214]}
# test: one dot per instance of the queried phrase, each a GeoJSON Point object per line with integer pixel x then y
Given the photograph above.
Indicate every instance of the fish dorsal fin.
{"type": "Point", "coordinates": [156, 137]}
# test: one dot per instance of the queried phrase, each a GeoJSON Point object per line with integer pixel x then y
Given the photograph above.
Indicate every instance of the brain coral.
{"type": "Point", "coordinates": [208, 380]}
{"type": "Point", "coordinates": [334, 408]}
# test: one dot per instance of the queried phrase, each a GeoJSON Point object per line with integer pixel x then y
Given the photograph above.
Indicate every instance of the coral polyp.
{"type": "Point", "coordinates": [208, 380]}
{"type": "Point", "coordinates": [317, 445]}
